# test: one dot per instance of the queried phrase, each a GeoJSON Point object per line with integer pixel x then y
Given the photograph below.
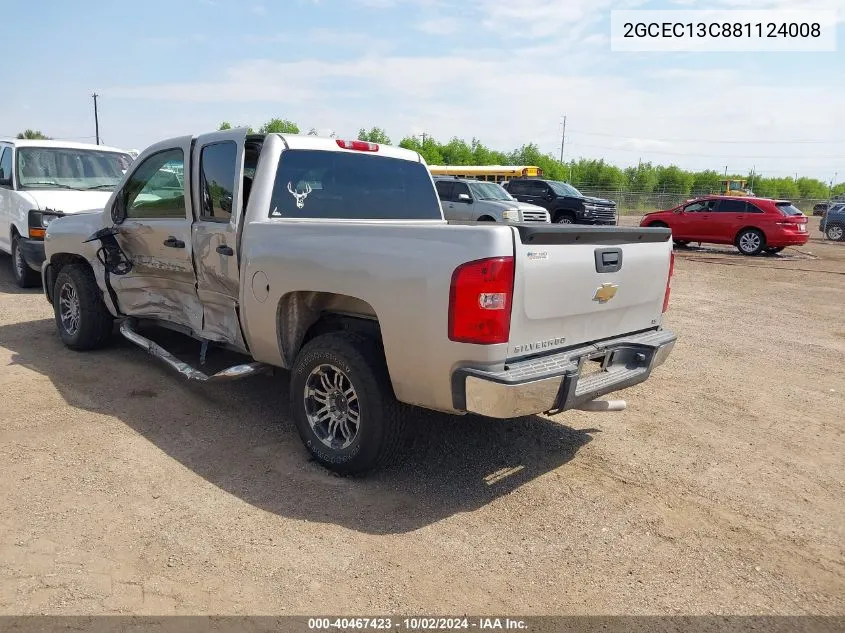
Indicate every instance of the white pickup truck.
{"type": "Point", "coordinates": [332, 259]}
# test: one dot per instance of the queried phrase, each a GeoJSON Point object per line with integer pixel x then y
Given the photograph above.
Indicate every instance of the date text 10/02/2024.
{"type": "Point", "coordinates": [417, 624]}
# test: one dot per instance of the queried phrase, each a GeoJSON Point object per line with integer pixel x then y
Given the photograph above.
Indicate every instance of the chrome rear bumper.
{"type": "Point", "coordinates": [557, 382]}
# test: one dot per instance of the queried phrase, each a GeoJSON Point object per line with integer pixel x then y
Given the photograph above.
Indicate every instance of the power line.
{"type": "Point", "coordinates": [697, 155]}
{"type": "Point", "coordinates": [730, 142]}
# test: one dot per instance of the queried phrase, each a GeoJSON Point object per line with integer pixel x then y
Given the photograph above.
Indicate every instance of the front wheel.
{"type": "Point", "coordinates": [565, 218]}
{"type": "Point", "coordinates": [750, 242]}
{"type": "Point", "coordinates": [82, 318]}
{"type": "Point", "coordinates": [343, 403]}
{"type": "Point", "coordinates": [25, 277]}
{"type": "Point", "coordinates": [835, 232]}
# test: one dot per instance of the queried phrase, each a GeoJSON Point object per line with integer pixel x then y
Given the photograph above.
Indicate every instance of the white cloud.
{"type": "Point", "coordinates": [439, 26]}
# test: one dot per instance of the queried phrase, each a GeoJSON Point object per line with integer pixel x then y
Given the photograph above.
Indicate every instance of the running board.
{"type": "Point", "coordinates": [236, 372]}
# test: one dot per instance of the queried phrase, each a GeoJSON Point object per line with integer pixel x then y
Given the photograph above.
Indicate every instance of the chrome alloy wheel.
{"type": "Point", "coordinates": [332, 406]}
{"type": "Point", "coordinates": [69, 308]}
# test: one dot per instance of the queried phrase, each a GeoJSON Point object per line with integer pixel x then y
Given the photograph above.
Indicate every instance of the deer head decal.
{"type": "Point", "coordinates": [300, 197]}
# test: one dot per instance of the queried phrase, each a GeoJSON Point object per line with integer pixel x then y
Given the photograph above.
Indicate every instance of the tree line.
{"type": "Point", "coordinates": [585, 173]}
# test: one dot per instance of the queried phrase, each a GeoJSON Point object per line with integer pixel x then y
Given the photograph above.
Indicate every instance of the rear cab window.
{"type": "Point", "coordinates": [319, 184]}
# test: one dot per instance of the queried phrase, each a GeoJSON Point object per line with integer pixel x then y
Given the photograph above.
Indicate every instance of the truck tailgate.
{"type": "Point", "coordinates": [579, 284]}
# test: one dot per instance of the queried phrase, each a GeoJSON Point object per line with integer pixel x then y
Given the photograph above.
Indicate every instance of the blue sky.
{"type": "Point", "coordinates": [503, 71]}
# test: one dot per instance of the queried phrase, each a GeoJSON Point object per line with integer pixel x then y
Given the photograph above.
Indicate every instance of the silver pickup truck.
{"type": "Point", "coordinates": [332, 259]}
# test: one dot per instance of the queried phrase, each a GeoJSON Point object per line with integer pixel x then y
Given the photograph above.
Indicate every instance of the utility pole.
{"type": "Point", "coordinates": [563, 138]}
{"type": "Point", "coordinates": [424, 136]}
{"type": "Point", "coordinates": [751, 187]}
{"type": "Point", "coordinates": [96, 119]}
{"type": "Point", "coordinates": [726, 171]}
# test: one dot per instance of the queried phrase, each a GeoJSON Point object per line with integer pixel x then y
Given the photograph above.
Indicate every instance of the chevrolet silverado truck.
{"type": "Point", "coordinates": [331, 259]}
{"type": "Point", "coordinates": [565, 203]}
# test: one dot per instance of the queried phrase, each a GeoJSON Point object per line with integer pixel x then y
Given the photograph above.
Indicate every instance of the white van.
{"type": "Point", "coordinates": [43, 180]}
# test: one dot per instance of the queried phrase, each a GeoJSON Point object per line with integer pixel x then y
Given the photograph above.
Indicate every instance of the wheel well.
{"type": "Point", "coordinates": [751, 228]}
{"type": "Point", "coordinates": [486, 218]}
{"type": "Point", "coordinates": [305, 315]}
{"type": "Point", "coordinates": [559, 212]}
{"type": "Point", "coordinates": [659, 223]}
{"type": "Point", "coordinates": [57, 262]}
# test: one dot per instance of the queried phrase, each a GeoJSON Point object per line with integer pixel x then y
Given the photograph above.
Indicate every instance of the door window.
{"type": "Point", "coordinates": [217, 180]}
{"type": "Point", "coordinates": [460, 188]}
{"type": "Point", "coordinates": [444, 190]}
{"type": "Point", "coordinates": [6, 164]}
{"type": "Point", "coordinates": [534, 188]}
{"type": "Point", "coordinates": [155, 189]}
{"type": "Point", "coordinates": [702, 206]}
{"type": "Point", "coordinates": [730, 206]}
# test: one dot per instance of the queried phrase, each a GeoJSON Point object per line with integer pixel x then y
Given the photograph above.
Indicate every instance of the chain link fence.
{"type": "Point", "coordinates": [639, 202]}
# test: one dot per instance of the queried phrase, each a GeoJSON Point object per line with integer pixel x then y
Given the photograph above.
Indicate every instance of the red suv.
{"type": "Point", "coordinates": [753, 225]}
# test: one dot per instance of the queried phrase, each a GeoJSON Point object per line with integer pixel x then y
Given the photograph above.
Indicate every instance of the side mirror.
{"type": "Point", "coordinates": [678, 211]}
{"type": "Point", "coordinates": [464, 197]}
{"type": "Point", "coordinates": [549, 196]}
{"type": "Point", "coordinates": [6, 182]}
{"type": "Point", "coordinates": [118, 209]}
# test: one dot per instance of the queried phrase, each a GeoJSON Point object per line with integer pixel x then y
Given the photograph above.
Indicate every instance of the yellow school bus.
{"type": "Point", "coordinates": [733, 187]}
{"type": "Point", "coordinates": [492, 173]}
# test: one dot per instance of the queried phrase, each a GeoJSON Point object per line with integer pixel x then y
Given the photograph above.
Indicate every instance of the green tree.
{"type": "Point", "coordinates": [374, 135]}
{"type": "Point", "coordinates": [279, 126]}
{"type": "Point", "coordinates": [34, 135]}
{"type": "Point", "coordinates": [224, 126]}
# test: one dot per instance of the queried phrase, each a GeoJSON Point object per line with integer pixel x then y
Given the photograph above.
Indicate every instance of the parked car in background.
{"type": "Point", "coordinates": [833, 223]}
{"type": "Point", "coordinates": [43, 180]}
{"type": "Point", "coordinates": [325, 261]}
{"type": "Point", "coordinates": [753, 225]}
{"type": "Point", "coordinates": [475, 200]}
{"type": "Point", "coordinates": [822, 207]}
{"type": "Point", "coordinates": [565, 204]}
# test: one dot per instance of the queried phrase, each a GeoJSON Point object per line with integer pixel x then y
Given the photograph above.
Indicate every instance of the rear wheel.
{"type": "Point", "coordinates": [343, 403]}
{"type": "Point", "coordinates": [835, 232]}
{"type": "Point", "coordinates": [82, 318]}
{"type": "Point", "coordinates": [750, 242]}
{"type": "Point", "coordinates": [25, 277]}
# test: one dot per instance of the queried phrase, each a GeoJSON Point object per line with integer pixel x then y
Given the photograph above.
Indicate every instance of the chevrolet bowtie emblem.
{"type": "Point", "coordinates": [605, 293]}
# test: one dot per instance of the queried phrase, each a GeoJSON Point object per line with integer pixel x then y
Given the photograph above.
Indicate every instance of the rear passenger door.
{"type": "Point", "coordinates": [728, 217]}
{"type": "Point", "coordinates": [217, 178]}
{"type": "Point", "coordinates": [444, 192]}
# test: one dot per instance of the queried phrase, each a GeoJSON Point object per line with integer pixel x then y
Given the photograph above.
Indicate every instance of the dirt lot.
{"type": "Point", "coordinates": [719, 490]}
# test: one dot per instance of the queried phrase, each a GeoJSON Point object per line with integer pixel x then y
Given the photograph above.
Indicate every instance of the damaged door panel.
{"type": "Point", "coordinates": [156, 237]}
{"type": "Point", "coordinates": [222, 185]}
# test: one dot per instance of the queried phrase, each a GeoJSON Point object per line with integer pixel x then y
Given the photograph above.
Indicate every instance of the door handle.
{"type": "Point", "coordinates": [172, 242]}
{"type": "Point", "coordinates": [225, 250]}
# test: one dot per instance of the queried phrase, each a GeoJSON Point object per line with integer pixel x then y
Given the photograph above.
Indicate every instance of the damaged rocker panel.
{"type": "Point", "coordinates": [236, 372]}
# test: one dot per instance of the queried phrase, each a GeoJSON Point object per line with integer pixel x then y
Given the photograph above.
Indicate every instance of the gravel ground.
{"type": "Point", "coordinates": [719, 490]}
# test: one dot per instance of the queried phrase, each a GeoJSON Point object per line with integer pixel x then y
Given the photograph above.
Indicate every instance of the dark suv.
{"type": "Point", "coordinates": [833, 223]}
{"type": "Point", "coordinates": [566, 205]}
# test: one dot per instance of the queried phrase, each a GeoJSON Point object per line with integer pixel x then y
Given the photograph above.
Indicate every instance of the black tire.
{"type": "Point", "coordinates": [658, 225]}
{"type": "Point", "coordinates": [750, 242]}
{"type": "Point", "coordinates": [681, 243]}
{"type": "Point", "coordinates": [93, 328]}
{"type": "Point", "coordinates": [486, 218]}
{"type": "Point", "coordinates": [25, 277]}
{"type": "Point", "coordinates": [380, 429]}
{"type": "Point", "coordinates": [565, 217]}
{"type": "Point", "coordinates": [835, 232]}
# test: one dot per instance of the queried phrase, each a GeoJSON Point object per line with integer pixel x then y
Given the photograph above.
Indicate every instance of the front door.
{"type": "Point", "coordinates": [463, 204]}
{"type": "Point", "coordinates": [221, 183]}
{"type": "Point", "coordinates": [156, 236]}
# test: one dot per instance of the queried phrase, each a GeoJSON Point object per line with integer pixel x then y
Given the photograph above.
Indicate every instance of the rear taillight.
{"type": "Point", "coordinates": [669, 282]}
{"type": "Point", "coordinates": [480, 301]}
{"type": "Point", "coordinates": [361, 146]}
